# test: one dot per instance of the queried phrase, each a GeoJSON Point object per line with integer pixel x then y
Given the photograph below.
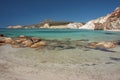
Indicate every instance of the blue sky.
{"type": "Point", "coordinates": [26, 12]}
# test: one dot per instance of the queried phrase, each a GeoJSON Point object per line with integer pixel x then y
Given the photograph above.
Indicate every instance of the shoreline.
{"type": "Point", "coordinates": [72, 64]}
{"type": "Point", "coordinates": [65, 28]}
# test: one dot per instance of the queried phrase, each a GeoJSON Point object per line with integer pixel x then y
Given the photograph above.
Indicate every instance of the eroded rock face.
{"type": "Point", "coordinates": [74, 25]}
{"type": "Point", "coordinates": [113, 21]}
{"type": "Point", "coordinates": [108, 22]}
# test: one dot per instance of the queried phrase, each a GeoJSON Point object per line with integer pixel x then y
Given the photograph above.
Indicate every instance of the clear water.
{"type": "Point", "coordinates": [62, 34]}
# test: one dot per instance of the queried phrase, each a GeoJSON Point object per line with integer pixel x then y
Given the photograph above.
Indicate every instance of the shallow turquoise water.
{"type": "Point", "coordinates": [62, 34]}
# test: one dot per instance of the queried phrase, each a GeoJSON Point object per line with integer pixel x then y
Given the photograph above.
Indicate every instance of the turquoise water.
{"type": "Point", "coordinates": [62, 34]}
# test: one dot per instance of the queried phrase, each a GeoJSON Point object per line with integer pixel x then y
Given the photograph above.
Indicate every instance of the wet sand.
{"type": "Point", "coordinates": [67, 64]}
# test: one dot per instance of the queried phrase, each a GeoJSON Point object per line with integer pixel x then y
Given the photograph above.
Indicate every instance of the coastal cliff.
{"type": "Point", "coordinates": [108, 22]}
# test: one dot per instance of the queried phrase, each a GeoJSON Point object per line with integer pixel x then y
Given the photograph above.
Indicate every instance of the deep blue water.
{"type": "Point", "coordinates": [62, 34]}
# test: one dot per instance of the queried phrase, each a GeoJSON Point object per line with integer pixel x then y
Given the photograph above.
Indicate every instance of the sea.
{"type": "Point", "coordinates": [64, 34]}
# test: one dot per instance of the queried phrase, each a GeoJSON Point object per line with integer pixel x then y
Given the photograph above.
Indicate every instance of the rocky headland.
{"type": "Point", "coordinates": [108, 22]}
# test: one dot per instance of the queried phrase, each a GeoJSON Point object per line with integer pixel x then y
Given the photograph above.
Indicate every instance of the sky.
{"type": "Point", "coordinates": [27, 12]}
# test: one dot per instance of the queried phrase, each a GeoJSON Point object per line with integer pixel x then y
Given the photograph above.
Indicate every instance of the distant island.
{"type": "Point", "coordinates": [108, 22]}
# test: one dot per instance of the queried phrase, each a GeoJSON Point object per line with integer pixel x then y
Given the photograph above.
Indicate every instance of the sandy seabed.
{"type": "Point", "coordinates": [71, 64]}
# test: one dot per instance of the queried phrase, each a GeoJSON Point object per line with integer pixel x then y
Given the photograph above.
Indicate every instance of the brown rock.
{"type": "Point", "coordinates": [8, 40]}
{"type": "Point", "coordinates": [35, 39]}
{"type": "Point", "coordinates": [27, 43]}
{"type": "Point", "coordinates": [92, 45]}
{"type": "Point", "coordinates": [41, 43]}
{"type": "Point", "coordinates": [98, 26]}
{"type": "Point", "coordinates": [106, 44]}
{"type": "Point", "coordinates": [2, 35]}
{"type": "Point", "coordinates": [2, 41]}
{"type": "Point", "coordinates": [13, 42]}
{"type": "Point", "coordinates": [20, 40]}
{"type": "Point", "coordinates": [109, 44]}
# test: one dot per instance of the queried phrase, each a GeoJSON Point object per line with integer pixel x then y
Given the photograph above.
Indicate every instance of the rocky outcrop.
{"type": "Point", "coordinates": [15, 27]}
{"type": "Point", "coordinates": [22, 41]}
{"type": "Point", "coordinates": [108, 22]}
{"type": "Point", "coordinates": [96, 24]}
{"type": "Point", "coordinates": [113, 21]}
{"type": "Point", "coordinates": [74, 25]}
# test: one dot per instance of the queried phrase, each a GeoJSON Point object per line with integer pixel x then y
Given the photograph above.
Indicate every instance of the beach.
{"type": "Point", "coordinates": [68, 64]}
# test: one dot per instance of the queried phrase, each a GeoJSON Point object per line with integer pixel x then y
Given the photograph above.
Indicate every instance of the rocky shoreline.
{"type": "Point", "coordinates": [110, 22]}
{"type": "Point", "coordinates": [35, 42]}
{"type": "Point", "coordinates": [56, 59]}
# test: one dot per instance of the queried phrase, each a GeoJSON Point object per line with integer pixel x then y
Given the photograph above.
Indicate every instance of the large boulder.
{"type": "Point", "coordinates": [2, 41]}
{"type": "Point", "coordinates": [8, 40]}
{"type": "Point", "coordinates": [103, 44]}
{"type": "Point", "coordinates": [21, 39]}
{"type": "Point", "coordinates": [2, 35]}
{"type": "Point", "coordinates": [27, 43]}
{"type": "Point", "coordinates": [38, 44]}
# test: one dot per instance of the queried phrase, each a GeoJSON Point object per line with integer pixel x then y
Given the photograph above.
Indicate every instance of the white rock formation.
{"type": "Point", "coordinates": [74, 25]}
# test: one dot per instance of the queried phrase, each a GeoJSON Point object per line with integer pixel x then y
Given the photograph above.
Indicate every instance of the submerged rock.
{"type": "Point", "coordinates": [103, 44]}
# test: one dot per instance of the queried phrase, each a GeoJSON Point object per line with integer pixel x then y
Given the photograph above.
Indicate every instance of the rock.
{"type": "Point", "coordinates": [92, 45]}
{"type": "Point", "coordinates": [108, 22]}
{"type": "Point", "coordinates": [109, 44]}
{"type": "Point", "coordinates": [8, 40]}
{"type": "Point", "coordinates": [38, 44]}
{"type": "Point", "coordinates": [2, 35]}
{"type": "Point", "coordinates": [15, 27]}
{"type": "Point", "coordinates": [118, 42]}
{"type": "Point", "coordinates": [13, 42]}
{"type": "Point", "coordinates": [35, 39]}
{"type": "Point", "coordinates": [20, 40]}
{"type": "Point", "coordinates": [2, 40]}
{"type": "Point", "coordinates": [27, 43]}
{"type": "Point", "coordinates": [74, 25]}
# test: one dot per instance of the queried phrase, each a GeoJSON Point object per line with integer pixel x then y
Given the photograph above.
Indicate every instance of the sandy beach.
{"type": "Point", "coordinates": [72, 64]}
